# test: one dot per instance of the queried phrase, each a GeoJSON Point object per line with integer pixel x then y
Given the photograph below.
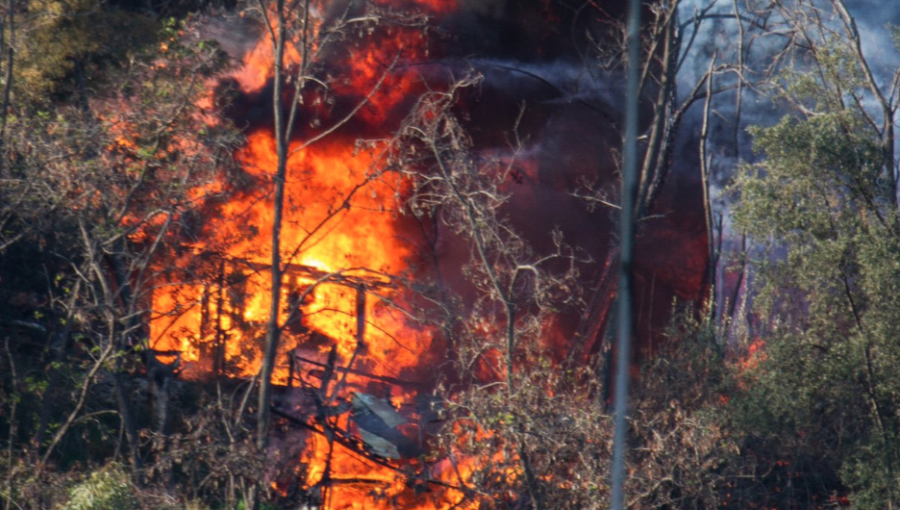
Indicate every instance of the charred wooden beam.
{"type": "Point", "coordinates": [361, 315]}
{"type": "Point", "coordinates": [382, 378]}
{"type": "Point", "coordinates": [338, 435]}
{"type": "Point", "coordinates": [371, 282]}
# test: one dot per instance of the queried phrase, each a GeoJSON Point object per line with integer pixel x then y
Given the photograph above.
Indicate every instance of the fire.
{"type": "Point", "coordinates": [343, 307]}
{"type": "Point", "coordinates": [339, 227]}
{"type": "Point", "coordinates": [756, 354]}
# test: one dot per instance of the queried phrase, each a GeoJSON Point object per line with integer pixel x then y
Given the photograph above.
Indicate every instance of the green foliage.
{"type": "Point", "coordinates": [59, 35]}
{"type": "Point", "coordinates": [106, 489]}
{"type": "Point", "coordinates": [108, 165]}
{"type": "Point", "coordinates": [821, 206]}
{"type": "Point", "coordinates": [682, 451]}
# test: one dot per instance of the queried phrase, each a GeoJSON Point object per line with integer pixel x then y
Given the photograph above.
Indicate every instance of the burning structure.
{"type": "Point", "coordinates": [368, 222]}
{"type": "Point", "coordinates": [373, 230]}
{"type": "Point", "coordinates": [417, 199]}
{"type": "Point", "coordinates": [358, 254]}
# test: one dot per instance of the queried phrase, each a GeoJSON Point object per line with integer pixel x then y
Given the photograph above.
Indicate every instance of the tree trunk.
{"type": "Point", "coordinates": [273, 330]}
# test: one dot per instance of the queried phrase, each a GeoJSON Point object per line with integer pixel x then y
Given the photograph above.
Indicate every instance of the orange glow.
{"type": "Point", "coordinates": [357, 483]}
{"type": "Point", "coordinates": [756, 354]}
{"type": "Point", "coordinates": [343, 253]}
{"type": "Point", "coordinates": [748, 365]}
{"type": "Point", "coordinates": [338, 221]}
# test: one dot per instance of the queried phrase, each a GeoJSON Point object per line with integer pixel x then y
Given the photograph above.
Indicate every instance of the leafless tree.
{"type": "Point", "coordinates": [113, 194]}
{"type": "Point", "coordinates": [500, 335]}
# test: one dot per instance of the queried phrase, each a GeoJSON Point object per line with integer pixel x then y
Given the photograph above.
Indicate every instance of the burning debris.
{"type": "Point", "coordinates": [377, 422]}
{"type": "Point", "coordinates": [358, 357]}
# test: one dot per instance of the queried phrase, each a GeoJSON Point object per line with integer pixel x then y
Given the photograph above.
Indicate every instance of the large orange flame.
{"type": "Point", "coordinates": [344, 255]}
{"type": "Point", "coordinates": [339, 221]}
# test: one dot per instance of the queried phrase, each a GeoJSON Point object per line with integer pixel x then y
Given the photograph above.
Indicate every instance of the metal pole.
{"type": "Point", "coordinates": [629, 187]}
